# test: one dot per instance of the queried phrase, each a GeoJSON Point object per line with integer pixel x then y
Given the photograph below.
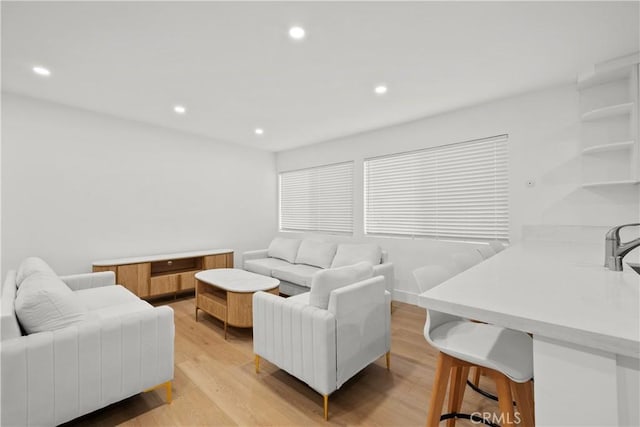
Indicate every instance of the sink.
{"type": "Point", "coordinates": [634, 266]}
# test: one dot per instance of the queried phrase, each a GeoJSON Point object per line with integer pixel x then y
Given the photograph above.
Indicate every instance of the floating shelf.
{"type": "Point", "coordinates": [609, 111]}
{"type": "Point", "coordinates": [614, 146]}
{"type": "Point", "coordinates": [609, 183]}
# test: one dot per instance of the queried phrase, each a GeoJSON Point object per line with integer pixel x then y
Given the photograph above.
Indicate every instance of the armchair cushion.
{"type": "Point", "coordinates": [352, 253]}
{"type": "Point", "coordinates": [285, 249]}
{"type": "Point", "coordinates": [77, 282]}
{"type": "Point", "coordinates": [326, 281]}
{"type": "Point", "coordinates": [105, 296]}
{"type": "Point", "coordinates": [318, 254]}
{"type": "Point", "coordinates": [45, 303]}
{"type": "Point", "coordinates": [30, 266]}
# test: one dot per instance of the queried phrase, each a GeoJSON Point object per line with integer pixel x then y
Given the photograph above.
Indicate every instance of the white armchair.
{"type": "Point", "coordinates": [120, 347]}
{"type": "Point", "coordinates": [324, 347]}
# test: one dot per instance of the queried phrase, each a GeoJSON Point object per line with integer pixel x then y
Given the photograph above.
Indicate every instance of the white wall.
{"type": "Point", "coordinates": [79, 186]}
{"type": "Point", "coordinates": [544, 145]}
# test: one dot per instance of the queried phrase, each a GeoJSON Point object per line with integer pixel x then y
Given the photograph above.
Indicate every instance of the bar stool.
{"type": "Point", "coordinates": [504, 354]}
{"type": "Point", "coordinates": [467, 259]}
{"type": "Point", "coordinates": [486, 251]}
{"type": "Point", "coordinates": [497, 246]}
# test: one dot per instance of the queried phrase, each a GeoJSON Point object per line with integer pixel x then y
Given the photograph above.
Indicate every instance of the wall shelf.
{"type": "Point", "coordinates": [610, 152]}
{"type": "Point", "coordinates": [608, 111]}
{"type": "Point", "coordinates": [596, 79]}
{"type": "Point", "coordinates": [614, 146]}
{"type": "Point", "coordinates": [609, 183]}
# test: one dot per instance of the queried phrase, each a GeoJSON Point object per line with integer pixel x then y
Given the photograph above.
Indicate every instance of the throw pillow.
{"type": "Point", "coordinates": [285, 249]}
{"type": "Point", "coordinates": [351, 253]}
{"type": "Point", "coordinates": [325, 281]}
{"type": "Point", "coordinates": [318, 254]}
{"type": "Point", "coordinates": [30, 266]}
{"type": "Point", "coordinates": [45, 303]}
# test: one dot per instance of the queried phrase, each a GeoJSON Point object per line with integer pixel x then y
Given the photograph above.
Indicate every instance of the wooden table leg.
{"type": "Point", "coordinates": [226, 317]}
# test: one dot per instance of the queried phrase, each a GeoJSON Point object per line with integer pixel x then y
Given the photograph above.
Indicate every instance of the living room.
{"type": "Point", "coordinates": [165, 127]}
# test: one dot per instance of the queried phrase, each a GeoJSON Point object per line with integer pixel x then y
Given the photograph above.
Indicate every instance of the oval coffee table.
{"type": "Point", "coordinates": [227, 294]}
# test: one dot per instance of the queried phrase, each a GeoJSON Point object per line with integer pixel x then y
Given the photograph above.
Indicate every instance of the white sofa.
{"type": "Point", "coordinates": [295, 261]}
{"type": "Point", "coordinates": [74, 344]}
{"type": "Point", "coordinates": [325, 336]}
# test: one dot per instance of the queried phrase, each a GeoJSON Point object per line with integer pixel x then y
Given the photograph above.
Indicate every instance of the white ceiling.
{"type": "Point", "coordinates": [234, 68]}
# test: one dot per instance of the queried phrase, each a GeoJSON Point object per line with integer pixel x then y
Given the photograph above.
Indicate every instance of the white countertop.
{"type": "Point", "coordinates": [160, 257]}
{"type": "Point", "coordinates": [555, 290]}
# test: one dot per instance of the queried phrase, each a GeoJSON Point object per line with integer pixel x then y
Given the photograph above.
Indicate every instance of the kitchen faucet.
{"type": "Point", "coordinates": [614, 250]}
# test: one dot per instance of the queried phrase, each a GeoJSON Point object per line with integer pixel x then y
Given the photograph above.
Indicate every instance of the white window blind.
{"type": "Point", "coordinates": [457, 191]}
{"type": "Point", "coordinates": [317, 199]}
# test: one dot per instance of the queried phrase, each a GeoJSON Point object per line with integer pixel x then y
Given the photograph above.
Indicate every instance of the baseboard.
{"type": "Point", "coordinates": [404, 296]}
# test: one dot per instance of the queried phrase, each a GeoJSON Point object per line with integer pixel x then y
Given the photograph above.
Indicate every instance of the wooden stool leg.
{"type": "Point", "coordinates": [388, 358]}
{"type": "Point", "coordinates": [457, 384]}
{"type": "Point", "coordinates": [476, 376]}
{"type": "Point", "coordinates": [443, 369]}
{"type": "Point", "coordinates": [505, 401]}
{"type": "Point", "coordinates": [257, 362]}
{"type": "Point", "coordinates": [524, 403]}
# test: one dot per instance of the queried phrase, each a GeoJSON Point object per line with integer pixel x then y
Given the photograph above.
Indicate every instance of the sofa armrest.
{"type": "Point", "coordinates": [363, 325]}
{"type": "Point", "coordinates": [385, 270]}
{"type": "Point", "coordinates": [296, 337]}
{"type": "Point", "coordinates": [257, 254]}
{"type": "Point", "coordinates": [78, 282]}
{"type": "Point", "coordinates": [49, 378]}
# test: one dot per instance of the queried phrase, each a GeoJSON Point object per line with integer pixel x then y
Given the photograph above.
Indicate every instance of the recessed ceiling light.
{"type": "Point", "coordinates": [380, 90]}
{"type": "Point", "coordinates": [296, 33]}
{"type": "Point", "coordinates": [180, 109]}
{"type": "Point", "coordinates": [41, 71]}
{"type": "Point", "coordinates": [259, 131]}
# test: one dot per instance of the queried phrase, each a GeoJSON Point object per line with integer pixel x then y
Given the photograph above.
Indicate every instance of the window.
{"type": "Point", "coordinates": [317, 199]}
{"type": "Point", "coordinates": [457, 191]}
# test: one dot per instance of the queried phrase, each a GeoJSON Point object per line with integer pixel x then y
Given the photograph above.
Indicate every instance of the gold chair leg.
{"type": "Point", "coordinates": [167, 388]}
{"type": "Point", "coordinates": [257, 362]}
{"type": "Point", "coordinates": [326, 407]}
{"type": "Point", "coordinates": [388, 357]}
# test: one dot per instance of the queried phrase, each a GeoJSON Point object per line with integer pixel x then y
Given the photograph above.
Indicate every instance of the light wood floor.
{"type": "Point", "coordinates": [215, 383]}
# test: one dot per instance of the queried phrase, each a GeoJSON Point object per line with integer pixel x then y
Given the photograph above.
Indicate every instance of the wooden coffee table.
{"type": "Point", "coordinates": [227, 294]}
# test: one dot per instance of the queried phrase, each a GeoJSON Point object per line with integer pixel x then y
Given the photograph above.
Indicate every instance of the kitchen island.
{"type": "Point", "coordinates": [585, 322]}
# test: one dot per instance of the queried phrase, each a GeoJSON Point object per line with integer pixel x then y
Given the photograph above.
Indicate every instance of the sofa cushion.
{"type": "Point", "coordinates": [264, 266]}
{"type": "Point", "coordinates": [299, 274]}
{"type": "Point", "coordinates": [318, 254]}
{"type": "Point", "coordinates": [326, 281]}
{"type": "Point", "coordinates": [352, 253]}
{"type": "Point", "coordinates": [45, 303]}
{"type": "Point", "coordinates": [285, 249]}
{"type": "Point", "coordinates": [105, 296]}
{"type": "Point", "coordinates": [30, 266]}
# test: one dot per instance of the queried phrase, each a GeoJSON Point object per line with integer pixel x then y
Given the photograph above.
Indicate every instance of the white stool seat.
{"type": "Point", "coordinates": [494, 347]}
